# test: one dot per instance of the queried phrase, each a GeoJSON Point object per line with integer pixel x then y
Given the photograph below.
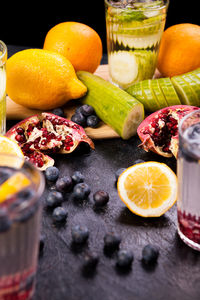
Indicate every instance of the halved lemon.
{"type": "Point", "coordinates": [148, 189]}
{"type": "Point", "coordinates": [10, 147]}
{"type": "Point", "coordinates": [13, 185]}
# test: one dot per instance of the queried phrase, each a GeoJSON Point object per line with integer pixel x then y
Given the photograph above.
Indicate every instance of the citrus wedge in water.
{"type": "Point", "coordinates": [148, 189]}
{"type": "Point", "coordinates": [13, 185]}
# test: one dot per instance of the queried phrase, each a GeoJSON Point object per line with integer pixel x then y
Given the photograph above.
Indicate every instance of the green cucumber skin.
{"type": "Point", "coordinates": [184, 91]}
{"type": "Point", "coordinates": [169, 91]}
{"type": "Point", "coordinates": [136, 91]}
{"type": "Point", "coordinates": [111, 103]}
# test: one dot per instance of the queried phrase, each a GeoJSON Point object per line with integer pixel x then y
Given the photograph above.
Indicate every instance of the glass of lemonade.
{"type": "Point", "coordinates": [3, 58]}
{"type": "Point", "coordinates": [21, 188]}
{"type": "Point", "coordinates": [134, 30]}
{"type": "Point", "coordinates": [188, 171]}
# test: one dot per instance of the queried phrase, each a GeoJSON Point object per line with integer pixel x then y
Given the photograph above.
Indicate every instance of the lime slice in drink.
{"type": "Point", "coordinates": [123, 67]}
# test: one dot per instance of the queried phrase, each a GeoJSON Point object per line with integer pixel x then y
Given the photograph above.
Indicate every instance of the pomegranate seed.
{"type": "Point", "coordinates": [20, 138]}
{"type": "Point", "coordinates": [20, 130]}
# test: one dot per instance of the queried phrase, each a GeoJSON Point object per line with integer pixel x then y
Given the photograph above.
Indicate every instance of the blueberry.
{"type": "Point", "coordinates": [26, 214]}
{"type": "Point", "coordinates": [52, 173]}
{"type": "Point", "coordinates": [26, 194]}
{"type": "Point", "coordinates": [64, 184]}
{"type": "Point", "coordinates": [59, 214]}
{"type": "Point", "coordinates": [138, 161]}
{"type": "Point", "coordinates": [150, 254]}
{"type": "Point", "coordinates": [111, 241]}
{"type": "Point", "coordinates": [87, 110]}
{"type": "Point", "coordinates": [92, 121]}
{"type": "Point", "coordinates": [79, 119]}
{"type": "Point", "coordinates": [77, 177]}
{"type": "Point", "coordinates": [59, 112]}
{"type": "Point", "coordinates": [81, 191]}
{"type": "Point", "coordinates": [124, 258]}
{"type": "Point", "coordinates": [54, 199]}
{"type": "Point", "coordinates": [193, 132]}
{"type": "Point", "coordinates": [119, 172]}
{"type": "Point", "coordinates": [78, 110]}
{"type": "Point", "coordinates": [80, 234]}
{"type": "Point", "coordinates": [5, 222]}
{"type": "Point", "coordinates": [101, 198]}
{"type": "Point", "coordinates": [91, 259]}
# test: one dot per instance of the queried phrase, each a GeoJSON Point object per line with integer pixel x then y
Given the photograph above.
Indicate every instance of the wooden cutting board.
{"type": "Point", "coordinates": [18, 112]}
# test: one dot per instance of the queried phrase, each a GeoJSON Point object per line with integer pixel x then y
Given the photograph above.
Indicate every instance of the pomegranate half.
{"type": "Point", "coordinates": [47, 133]}
{"type": "Point", "coordinates": [159, 131]}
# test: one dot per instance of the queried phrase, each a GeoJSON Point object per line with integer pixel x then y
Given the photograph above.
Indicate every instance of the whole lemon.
{"type": "Point", "coordinates": [179, 50]}
{"type": "Point", "coordinates": [42, 79]}
{"type": "Point", "coordinates": [77, 42]}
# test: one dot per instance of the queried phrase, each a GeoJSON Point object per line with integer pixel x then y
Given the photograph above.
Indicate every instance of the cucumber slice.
{"type": "Point", "coordinates": [169, 91]}
{"type": "Point", "coordinates": [184, 91]}
{"type": "Point", "coordinates": [123, 68]}
{"type": "Point", "coordinates": [146, 64]}
{"type": "Point", "coordinates": [149, 96]}
{"type": "Point", "coordinates": [128, 67]}
{"type": "Point", "coordinates": [194, 83]}
{"type": "Point", "coordinates": [114, 106]}
{"type": "Point", "coordinates": [136, 91]}
{"type": "Point", "coordinates": [136, 41]}
{"type": "Point", "coordinates": [158, 94]}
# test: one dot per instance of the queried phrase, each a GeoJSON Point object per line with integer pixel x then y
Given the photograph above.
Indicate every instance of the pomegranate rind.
{"type": "Point", "coordinates": [66, 129]}
{"type": "Point", "coordinates": [145, 129]}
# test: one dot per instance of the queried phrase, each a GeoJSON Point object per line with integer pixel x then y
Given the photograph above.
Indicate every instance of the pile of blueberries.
{"type": "Point", "coordinates": [79, 191]}
{"type": "Point", "coordinates": [84, 116]}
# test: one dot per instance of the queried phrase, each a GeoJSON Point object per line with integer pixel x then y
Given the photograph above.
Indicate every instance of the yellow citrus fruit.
{"type": "Point", "coordinates": [10, 147]}
{"type": "Point", "coordinates": [77, 42]}
{"type": "Point", "coordinates": [179, 50]}
{"type": "Point", "coordinates": [42, 79]}
{"type": "Point", "coordinates": [148, 189]}
{"type": "Point", "coordinates": [13, 185]}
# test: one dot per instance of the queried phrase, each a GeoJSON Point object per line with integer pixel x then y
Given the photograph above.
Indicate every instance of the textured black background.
{"type": "Point", "coordinates": [26, 23]}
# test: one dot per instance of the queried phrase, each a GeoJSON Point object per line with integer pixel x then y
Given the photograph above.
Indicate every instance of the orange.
{"type": "Point", "coordinates": [42, 79]}
{"type": "Point", "coordinates": [148, 189]}
{"type": "Point", "coordinates": [179, 50]}
{"type": "Point", "coordinates": [77, 42]}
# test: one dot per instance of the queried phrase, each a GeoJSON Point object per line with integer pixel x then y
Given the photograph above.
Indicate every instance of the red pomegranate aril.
{"type": "Point", "coordinates": [20, 138]}
{"type": "Point", "coordinates": [20, 130]}
{"type": "Point", "coordinates": [44, 142]}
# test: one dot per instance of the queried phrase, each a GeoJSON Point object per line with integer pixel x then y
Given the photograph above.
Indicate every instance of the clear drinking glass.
{"type": "Point", "coordinates": [20, 212]}
{"type": "Point", "coordinates": [134, 30]}
{"type": "Point", "coordinates": [188, 171]}
{"type": "Point", "coordinates": [3, 58]}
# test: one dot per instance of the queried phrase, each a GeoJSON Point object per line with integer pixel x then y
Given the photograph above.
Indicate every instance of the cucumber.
{"type": "Point", "coordinates": [113, 106]}
{"type": "Point", "coordinates": [184, 91]}
{"type": "Point", "coordinates": [136, 91]}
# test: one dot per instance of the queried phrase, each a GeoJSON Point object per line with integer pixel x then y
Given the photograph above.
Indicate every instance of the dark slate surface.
{"type": "Point", "coordinates": [60, 274]}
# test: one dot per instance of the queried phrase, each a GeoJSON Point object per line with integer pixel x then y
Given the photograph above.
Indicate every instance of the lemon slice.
{"type": "Point", "coordinates": [123, 67]}
{"type": "Point", "coordinates": [8, 146]}
{"type": "Point", "coordinates": [13, 185]}
{"type": "Point", "coordinates": [148, 189]}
